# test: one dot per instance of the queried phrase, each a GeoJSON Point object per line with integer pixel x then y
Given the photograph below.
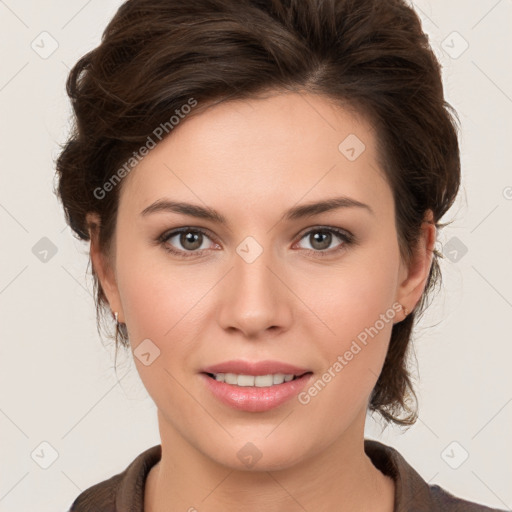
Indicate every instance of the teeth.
{"type": "Point", "coordinates": [259, 381]}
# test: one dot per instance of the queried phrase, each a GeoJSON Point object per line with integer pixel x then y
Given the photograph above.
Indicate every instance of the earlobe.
{"type": "Point", "coordinates": [101, 267]}
{"type": "Point", "coordinates": [418, 269]}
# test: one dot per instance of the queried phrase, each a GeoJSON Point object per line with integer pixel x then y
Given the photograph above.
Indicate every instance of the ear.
{"type": "Point", "coordinates": [103, 268]}
{"type": "Point", "coordinates": [414, 275]}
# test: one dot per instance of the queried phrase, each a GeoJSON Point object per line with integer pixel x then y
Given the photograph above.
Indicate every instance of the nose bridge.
{"type": "Point", "coordinates": [254, 282]}
{"type": "Point", "coordinates": [254, 299]}
{"type": "Point", "coordinates": [252, 268]}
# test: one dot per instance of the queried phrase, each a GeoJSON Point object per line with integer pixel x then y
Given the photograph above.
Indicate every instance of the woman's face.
{"type": "Point", "coordinates": [264, 285]}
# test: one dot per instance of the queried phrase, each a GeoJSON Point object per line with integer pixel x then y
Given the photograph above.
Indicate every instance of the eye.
{"type": "Point", "coordinates": [321, 238]}
{"type": "Point", "coordinates": [192, 241]}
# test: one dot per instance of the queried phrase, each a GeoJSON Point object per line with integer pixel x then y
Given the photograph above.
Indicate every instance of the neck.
{"type": "Point", "coordinates": [341, 477]}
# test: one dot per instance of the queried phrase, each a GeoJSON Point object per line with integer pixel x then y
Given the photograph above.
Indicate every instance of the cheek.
{"type": "Point", "coordinates": [157, 299]}
{"type": "Point", "coordinates": [161, 302]}
{"type": "Point", "coordinates": [356, 301]}
{"type": "Point", "coordinates": [354, 295]}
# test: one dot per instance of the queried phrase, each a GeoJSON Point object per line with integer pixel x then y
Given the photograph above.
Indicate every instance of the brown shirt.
{"type": "Point", "coordinates": [124, 492]}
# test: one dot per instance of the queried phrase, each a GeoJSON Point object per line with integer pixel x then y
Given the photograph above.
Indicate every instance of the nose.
{"type": "Point", "coordinates": [254, 297]}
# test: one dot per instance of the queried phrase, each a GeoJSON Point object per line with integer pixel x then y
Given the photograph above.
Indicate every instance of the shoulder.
{"type": "Point", "coordinates": [447, 501]}
{"type": "Point", "coordinates": [412, 493]}
{"type": "Point", "coordinates": [123, 491]}
{"type": "Point", "coordinates": [101, 496]}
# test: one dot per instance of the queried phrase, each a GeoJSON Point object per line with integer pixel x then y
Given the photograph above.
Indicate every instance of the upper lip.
{"type": "Point", "coordinates": [255, 368]}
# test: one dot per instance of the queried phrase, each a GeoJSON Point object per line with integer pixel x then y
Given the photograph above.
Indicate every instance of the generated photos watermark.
{"type": "Point", "coordinates": [152, 140]}
{"type": "Point", "coordinates": [344, 359]}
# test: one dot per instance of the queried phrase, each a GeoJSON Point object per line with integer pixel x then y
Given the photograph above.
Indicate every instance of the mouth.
{"type": "Point", "coordinates": [256, 390]}
{"type": "Point", "coordinates": [258, 381]}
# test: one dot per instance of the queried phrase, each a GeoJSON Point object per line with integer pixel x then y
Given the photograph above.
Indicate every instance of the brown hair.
{"type": "Point", "coordinates": [372, 55]}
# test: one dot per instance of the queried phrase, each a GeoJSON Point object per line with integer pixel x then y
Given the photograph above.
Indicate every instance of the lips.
{"type": "Point", "coordinates": [255, 399]}
{"type": "Point", "coordinates": [267, 367]}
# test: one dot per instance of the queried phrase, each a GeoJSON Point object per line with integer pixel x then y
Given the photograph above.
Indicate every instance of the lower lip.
{"type": "Point", "coordinates": [252, 398]}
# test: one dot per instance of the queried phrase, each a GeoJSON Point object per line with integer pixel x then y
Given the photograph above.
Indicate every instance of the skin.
{"type": "Point", "coordinates": [251, 161]}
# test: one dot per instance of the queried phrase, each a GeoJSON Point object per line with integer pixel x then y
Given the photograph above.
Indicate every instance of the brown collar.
{"type": "Point", "coordinates": [411, 491]}
{"type": "Point", "coordinates": [124, 492]}
{"type": "Point", "coordinates": [410, 488]}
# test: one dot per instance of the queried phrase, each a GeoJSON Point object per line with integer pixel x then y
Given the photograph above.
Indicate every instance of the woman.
{"type": "Point", "coordinates": [305, 152]}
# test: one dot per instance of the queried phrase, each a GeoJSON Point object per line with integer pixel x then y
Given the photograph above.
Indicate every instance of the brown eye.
{"type": "Point", "coordinates": [320, 240]}
{"type": "Point", "coordinates": [191, 240]}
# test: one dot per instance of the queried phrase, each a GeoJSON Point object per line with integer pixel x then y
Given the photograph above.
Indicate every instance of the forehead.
{"type": "Point", "coordinates": [262, 152]}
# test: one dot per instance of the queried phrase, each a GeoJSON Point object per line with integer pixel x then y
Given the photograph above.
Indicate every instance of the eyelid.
{"type": "Point", "coordinates": [319, 227]}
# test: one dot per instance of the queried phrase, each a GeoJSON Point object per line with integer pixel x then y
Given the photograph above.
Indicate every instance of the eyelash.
{"type": "Point", "coordinates": [346, 237]}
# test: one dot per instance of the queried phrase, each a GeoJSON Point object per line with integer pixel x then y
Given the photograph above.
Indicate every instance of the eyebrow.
{"type": "Point", "coordinates": [297, 212]}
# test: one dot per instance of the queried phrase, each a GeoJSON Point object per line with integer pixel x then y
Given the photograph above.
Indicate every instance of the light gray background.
{"type": "Point", "coordinates": [57, 380]}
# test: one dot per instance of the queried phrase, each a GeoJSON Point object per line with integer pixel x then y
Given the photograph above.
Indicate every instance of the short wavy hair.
{"type": "Point", "coordinates": [369, 55]}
